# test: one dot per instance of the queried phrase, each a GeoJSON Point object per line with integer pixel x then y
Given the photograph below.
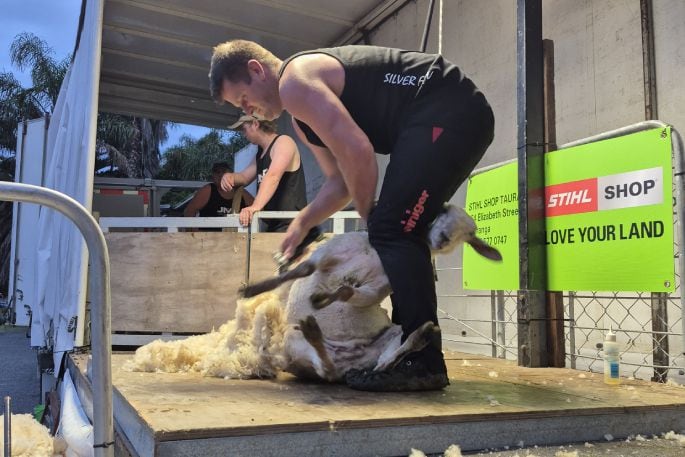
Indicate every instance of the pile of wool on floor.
{"type": "Point", "coordinates": [249, 346]}
{"type": "Point", "coordinates": [31, 439]}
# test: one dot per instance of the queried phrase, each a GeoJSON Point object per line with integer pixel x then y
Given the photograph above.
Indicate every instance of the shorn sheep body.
{"type": "Point", "coordinates": [332, 322]}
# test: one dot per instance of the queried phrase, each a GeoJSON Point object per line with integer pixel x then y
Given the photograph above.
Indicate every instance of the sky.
{"type": "Point", "coordinates": [55, 21]}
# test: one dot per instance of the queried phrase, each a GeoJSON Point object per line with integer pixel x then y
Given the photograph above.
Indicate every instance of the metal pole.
{"type": "Point", "coordinates": [648, 59]}
{"type": "Point", "coordinates": [8, 427]}
{"type": "Point", "coordinates": [678, 172]}
{"type": "Point", "coordinates": [427, 26]}
{"type": "Point", "coordinates": [660, 351]}
{"type": "Point", "coordinates": [532, 325]}
{"type": "Point", "coordinates": [572, 328]}
{"type": "Point", "coordinates": [501, 327]}
{"type": "Point", "coordinates": [493, 322]}
{"type": "Point", "coordinates": [99, 286]}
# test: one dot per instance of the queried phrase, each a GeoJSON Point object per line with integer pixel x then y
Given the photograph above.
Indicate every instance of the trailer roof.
{"type": "Point", "coordinates": [156, 53]}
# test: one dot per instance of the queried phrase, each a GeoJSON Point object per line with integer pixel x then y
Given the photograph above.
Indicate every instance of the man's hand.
{"type": "Point", "coordinates": [245, 216]}
{"type": "Point", "coordinates": [293, 237]}
{"type": "Point", "coordinates": [228, 182]}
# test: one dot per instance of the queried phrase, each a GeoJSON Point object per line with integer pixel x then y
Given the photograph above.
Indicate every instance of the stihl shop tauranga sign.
{"type": "Point", "coordinates": [609, 217]}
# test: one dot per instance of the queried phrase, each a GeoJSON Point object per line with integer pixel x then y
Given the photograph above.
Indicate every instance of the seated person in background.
{"type": "Point", "coordinates": [278, 170]}
{"type": "Point", "coordinates": [212, 201]}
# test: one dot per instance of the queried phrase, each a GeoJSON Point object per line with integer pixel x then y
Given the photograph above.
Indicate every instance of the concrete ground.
{"type": "Point", "coordinates": [19, 377]}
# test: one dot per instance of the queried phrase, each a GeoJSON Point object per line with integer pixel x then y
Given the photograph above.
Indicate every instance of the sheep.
{"type": "Point", "coordinates": [334, 319]}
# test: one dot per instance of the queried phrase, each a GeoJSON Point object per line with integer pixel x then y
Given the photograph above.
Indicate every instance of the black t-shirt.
{"type": "Point", "coordinates": [218, 205]}
{"type": "Point", "coordinates": [381, 84]}
{"type": "Point", "coordinates": [290, 195]}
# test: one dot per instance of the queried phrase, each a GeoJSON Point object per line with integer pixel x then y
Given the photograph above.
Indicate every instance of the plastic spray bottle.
{"type": "Point", "coordinates": [611, 359]}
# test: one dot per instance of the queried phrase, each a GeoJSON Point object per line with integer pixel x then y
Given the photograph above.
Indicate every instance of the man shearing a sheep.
{"type": "Point", "coordinates": [347, 104]}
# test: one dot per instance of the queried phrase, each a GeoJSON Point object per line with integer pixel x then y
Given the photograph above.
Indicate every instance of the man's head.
{"type": "Point", "coordinates": [218, 170]}
{"type": "Point", "coordinates": [250, 126]}
{"type": "Point", "coordinates": [245, 75]}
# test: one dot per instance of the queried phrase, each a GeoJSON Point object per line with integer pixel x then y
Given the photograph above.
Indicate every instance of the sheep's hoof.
{"type": "Point", "coordinates": [311, 330]}
{"type": "Point", "coordinates": [320, 300]}
{"type": "Point", "coordinates": [323, 299]}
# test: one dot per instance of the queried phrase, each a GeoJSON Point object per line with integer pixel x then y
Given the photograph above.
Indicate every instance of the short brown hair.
{"type": "Point", "coordinates": [229, 61]}
{"type": "Point", "coordinates": [220, 167]}
{"type": "Point", "coordinates": [267, 126]}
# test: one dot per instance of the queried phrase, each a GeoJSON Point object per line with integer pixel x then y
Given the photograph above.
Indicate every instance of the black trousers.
{"type": "Point", "coordinates": [442, 139]}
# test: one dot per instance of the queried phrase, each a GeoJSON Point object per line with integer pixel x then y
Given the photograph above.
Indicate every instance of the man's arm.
{"type": "Point", "coordinates": [242, 178]}
{"type": "Point", "coordinates": [306, 92]}
{"type": "Point", "coordinates": [332, 196]}
{"type": "Point", "coordinates": [198, 202]}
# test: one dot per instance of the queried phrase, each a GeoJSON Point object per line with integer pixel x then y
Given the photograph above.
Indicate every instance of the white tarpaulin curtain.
{"type": "Point", "coordinates": [61, 266]}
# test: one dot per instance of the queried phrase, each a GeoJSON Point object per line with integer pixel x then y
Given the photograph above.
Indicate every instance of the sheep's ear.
{"type": "Point", "coordinates": [484, 249]}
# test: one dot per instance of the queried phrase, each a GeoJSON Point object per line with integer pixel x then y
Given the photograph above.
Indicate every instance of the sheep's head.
{"type": "Point", "coordinates": [454, 227]}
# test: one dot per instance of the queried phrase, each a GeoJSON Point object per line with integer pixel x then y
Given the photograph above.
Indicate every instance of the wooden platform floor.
{"type": "Point", "coordinates": [490, 403]}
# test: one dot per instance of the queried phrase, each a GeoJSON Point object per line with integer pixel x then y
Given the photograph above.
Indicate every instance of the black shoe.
{"type": "Point", "coordinates": [423, 370]}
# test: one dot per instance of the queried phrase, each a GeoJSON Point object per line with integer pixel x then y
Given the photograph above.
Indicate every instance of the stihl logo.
{"type": "Point", "coordinates": [623, 190]}
{"type": "Point", "coordinates": [571, 197]}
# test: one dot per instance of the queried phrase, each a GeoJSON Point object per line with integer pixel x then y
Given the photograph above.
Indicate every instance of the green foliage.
{"type": "Point", "coordinates": [27, 51]}
{"type": "Point", "coordinates": [192, 160]}
{"type": "Point", "coordinates": [7, 167]}
{"type": "Point", "coordinates": [6, 174]}
{"type": "Point", "coordinates": [129, 146]}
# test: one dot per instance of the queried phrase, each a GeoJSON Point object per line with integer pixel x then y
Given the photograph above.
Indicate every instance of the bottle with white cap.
{"type": "Point", "coordinates": [611, 359]}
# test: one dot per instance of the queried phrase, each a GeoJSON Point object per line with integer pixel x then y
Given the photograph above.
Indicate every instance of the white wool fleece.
{"type": "Point", "coordinates": [249, 346]}
{"type": "Point", "coordinates": [29, 438]}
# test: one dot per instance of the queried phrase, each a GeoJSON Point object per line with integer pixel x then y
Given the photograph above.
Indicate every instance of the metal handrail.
{"type": "Point", "coordinates": [101, 329]}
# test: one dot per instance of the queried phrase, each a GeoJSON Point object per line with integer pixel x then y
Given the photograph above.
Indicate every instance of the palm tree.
{"type": "Point", "coordinates": [129, 147]}
{"type": "Point", "coordinates": [6, 174]}
{"type": "Point", "coordinates": [27, 51]}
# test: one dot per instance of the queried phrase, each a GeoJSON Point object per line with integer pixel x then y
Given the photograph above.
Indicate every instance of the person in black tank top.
{"type": "Point", "coordinates": [210, 201]}
{"type": "Point", "coordinates": [349, 103]}
{"type": "Point", "coordinates": [278, 170]}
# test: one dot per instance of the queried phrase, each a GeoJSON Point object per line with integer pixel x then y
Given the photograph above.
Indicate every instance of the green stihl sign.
{"type": "Point", "coordinates": [608, 217]}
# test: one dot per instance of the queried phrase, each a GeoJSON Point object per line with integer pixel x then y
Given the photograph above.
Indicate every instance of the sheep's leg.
{"type": "Point", "coordinates": [322, 299]}
{"type": "Point", "coordinates": [360, 297]}
{"type": "Point", "coordinates": [417, 340]}
{"type": "Point", "coordinates": [484, 249]}
{"type": "Point", "coordinates": [370, 294]}
{"type": "Point", "coordinates": [312, 333]}
{"type": "Point", "coordinates": [300, 271]}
